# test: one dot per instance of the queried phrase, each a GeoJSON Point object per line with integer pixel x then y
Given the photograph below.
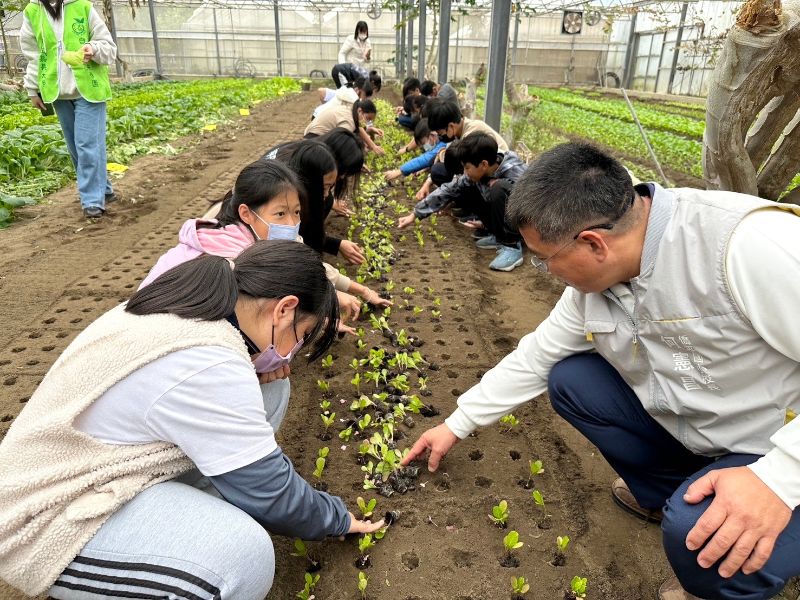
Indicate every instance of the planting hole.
{"type": "Point", "coordinates": [10, 380]}
{"type": "Point", "coordinates": [515, 455]}
{"type": "Point", "coordinates": [410, 560]}
{"type": "Point", "coordinates": [476, 455]}
{"type": "Point", "coordinates": [483, 482]}
{"type": "Point", "coordinates": [35, 334]}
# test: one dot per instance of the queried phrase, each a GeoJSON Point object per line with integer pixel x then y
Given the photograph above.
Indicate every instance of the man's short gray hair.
{"type": "Point", "coordinates": [569, 187]}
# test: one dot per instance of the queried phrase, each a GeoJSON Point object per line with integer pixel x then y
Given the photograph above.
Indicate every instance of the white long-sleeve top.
{"type": "Point", "coordinates": [103, 47]}
{"type": "Point", "coordinates": [354, 51]}
{"type": "Point", "coordinates": [763, 270]}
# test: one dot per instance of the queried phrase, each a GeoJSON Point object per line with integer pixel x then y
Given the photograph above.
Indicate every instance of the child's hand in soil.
{"type": "Point", "coordinates": [340, 208]}
{"type": "Point", "coordinates": [406, 220]}
{"type": "Point", "coordinates": [342, 328]}
{"type": "Point", "coordinates": [374, 298]}
{"type": "Point", "coordinates": [357, 526]}
{"type": "Point", "coordinates": [392, 174]}
{"type": "Point", "coordinates": [438, 440]}
{"type": "Point", "coordinates": [349, 306]}
{"type": "Point", "coordinates": [351, 252]}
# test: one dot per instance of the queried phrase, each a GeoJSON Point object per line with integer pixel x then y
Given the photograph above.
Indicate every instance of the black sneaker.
{"type": "Point", "coordinates": [93, 212]}
{"type": "Point", "coordinates": [112, 197]}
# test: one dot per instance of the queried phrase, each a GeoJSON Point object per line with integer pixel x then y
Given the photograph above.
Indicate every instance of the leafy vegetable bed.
{"type": "Point", "coordinates": [141, 117]}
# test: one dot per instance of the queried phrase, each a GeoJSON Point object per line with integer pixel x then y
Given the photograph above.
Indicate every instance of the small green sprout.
{"type": "Point", "coordinates": [562, 543]}
{"type": "Point", "coordinates": [538, 499]}
{"type": "Point", "coordinates": [360, 344]}
{"type": "Point", "coordinates": [364, 421]}
{"type": "Point", "coordinates": [389, 286]}
{"type": "Point", "coordinates": [346, 434]}
{"type": "Point", "coordinates": [356, 381]}
{"type": "Point", "coordinates": [300, 548]}
{"type": "Point", "coordinates": [409, 290]}
{"type": "Point", "coordinates": [437, 301]}
{"type": "Point", "coordinates": [310, 582]}
{"type": "Point", "coordinates": [367, 508]}
{"type": "Point", "coordinates": [323, 385]}
{"type": "Point", "coordinates": [365, 543]}
{"type": "Point", "coordinates": [445, 254]}
{"type": "Point", "coordinates": [387, 311]}
{"type": "Point", "coordinates": [327, 420]}
{"type": "Point", "coordinates": [325, 405]}
{"type": "Point", "coordinates": [536, 468]}
{"type": "Point", "coordinates": [423, 383]}
{"type": "Point", "coordinates": [362, 584]}
{"type": "Point", "coordinates": [420, 239]}
{"type": "Point", "coordinates": [499, 514]}
{"type": "Point", "coordinates": [417, 310]}
{"type": "Point", "coordinates": [511, 542]}
{"type": "Point", "coordinates": [578, 586]}
{"type": "Point", "coordinates": [327, 362]}
{"type": "Point", "coordinates": [437, 314]}
{"type": "Point", "coordinates": [510, 421]}
{"type": "Point", "coordinates": [519, 585]}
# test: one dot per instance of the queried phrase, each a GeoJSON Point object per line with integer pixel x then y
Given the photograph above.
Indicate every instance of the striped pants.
{"type": "Point", "coordinates": [178, 540]}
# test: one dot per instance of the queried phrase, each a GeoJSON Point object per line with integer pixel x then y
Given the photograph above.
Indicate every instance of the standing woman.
{"type": "Point", "coordinates": [69, 48]}
{"type": "Point", "coordinates": [357, 49]}
{"type": "Point", "coordinates": [90, 505]}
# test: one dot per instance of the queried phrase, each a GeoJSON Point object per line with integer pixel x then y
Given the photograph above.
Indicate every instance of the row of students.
{"type": "Point", "coordinates": [147, 459]}
{"type": "Point", "coordinates": [476, 173]}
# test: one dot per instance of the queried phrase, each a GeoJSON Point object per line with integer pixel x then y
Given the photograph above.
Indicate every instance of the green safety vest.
{"type": "Point", "coordinates": [91, 78]}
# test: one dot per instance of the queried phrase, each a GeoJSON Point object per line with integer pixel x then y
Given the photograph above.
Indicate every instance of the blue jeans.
{"type": "Point", "coordinates": [592, 397]}
{"type": "Point", "coordinates": [84, 127]}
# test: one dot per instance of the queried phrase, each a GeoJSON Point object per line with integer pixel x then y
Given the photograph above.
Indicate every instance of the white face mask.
{"type": "Point", "coordinates": [362, 37]}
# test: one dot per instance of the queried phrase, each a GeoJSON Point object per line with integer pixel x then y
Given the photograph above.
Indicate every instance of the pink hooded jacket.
{"type": "Point", "coordinates": [228, 241]}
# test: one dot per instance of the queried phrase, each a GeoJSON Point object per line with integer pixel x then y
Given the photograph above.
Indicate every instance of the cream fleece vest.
{"type": "Point", "coordinates": [59, 485]}
{"type": "Point", "coordinates": [693, 360]}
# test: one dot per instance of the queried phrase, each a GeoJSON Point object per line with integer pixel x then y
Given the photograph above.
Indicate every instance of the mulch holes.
{"type": "Point", "coordinates": [49, 321]}
{"type": "Point", "coordinates": [10, 380]}
{"type": "Point", "coordinates": [18, 350]}
{"type": "Point", "coordinates": [514, 455]}
{"type": "Point", "coordinates": [483, 482]}
{"type": "Point", "coordinates": [7, 418]}
{"type": "Point", "coordinates": [47, 348]}
{"type": "Point", "coordinates": [76, 320]}
{"type": "Point", "coordinates": [410, 560]}
{"type": "Point", "coordinates": [61, 334]}
{"type": "Point", "coordinates": [34, 334]}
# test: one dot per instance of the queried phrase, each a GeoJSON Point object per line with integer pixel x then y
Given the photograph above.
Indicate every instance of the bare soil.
{"type": "Point", "coordinates": [60, 272]}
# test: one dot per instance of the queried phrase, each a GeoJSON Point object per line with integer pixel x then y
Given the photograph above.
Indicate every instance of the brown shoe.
{"type": "Point", "coordinates": [624, 498]}
{"type": "Point", "coordinates": [671, 590]}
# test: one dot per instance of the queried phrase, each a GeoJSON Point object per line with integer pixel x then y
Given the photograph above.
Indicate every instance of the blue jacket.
{"type": "Point", "coordinates": [423, 161]}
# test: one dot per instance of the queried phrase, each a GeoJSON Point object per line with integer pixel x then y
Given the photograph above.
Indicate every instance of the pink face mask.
{"type": "Point", "coordinates": [269, 360]}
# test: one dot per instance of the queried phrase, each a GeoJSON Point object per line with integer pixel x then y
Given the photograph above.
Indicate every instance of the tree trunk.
{"type": "Point", "coordinates": [760, 61]}
{"type": "Point", "coordinates": [781, 166]}
{"type": "Point", "coordinates": [774, 118]}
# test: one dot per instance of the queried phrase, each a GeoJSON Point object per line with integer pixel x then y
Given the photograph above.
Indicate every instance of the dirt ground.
{"type": "Point", "coordinates": [60, 272]}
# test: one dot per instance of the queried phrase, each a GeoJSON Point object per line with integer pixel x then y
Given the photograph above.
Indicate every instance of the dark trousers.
{"type": "Point", "coordinates": [335, 76]}
{"type": "Point", "coordinates": [493, 214]}
{"type": "Point", "coordinates": [591, 396]}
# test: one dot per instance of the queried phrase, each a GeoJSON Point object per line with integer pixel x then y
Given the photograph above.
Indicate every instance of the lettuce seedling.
{"type": "Point", "coordinates": [356, 382]}
{"type": "Point", "coordinates": [562, 543]}
{"type": "Point", "coordinates": [327, 420]}
{"type": "Point", "coordinates": [323, 386]}
{"type": "Point", "coordinates": [327, 362]}
{"type": "Point", "coordinates": [535, 468]}
{"type": "Point", "coordinates": [364, 421]}
{"type": "Point", "coordinates": [437, 314]}
{"type": "Point", "coordinates": [360, 345]}
{"type": "Point", "coordinates": [367, 508]}
{"type": "Point", "coordinates": [325, 405]}
{"type": "Point", "coordinates": [510, 543]}
{"type": "Point", "coordinates": [445, 254]}
{"type": "Point", "coordinates": [409, 290]}
{"type": "Point", "coordinates": [362, 584]}
{"type": "Point", "coordinates": [499, 514]}
{"type": "Point", "coordinates": [577, 587]}
{"type": "Point", "coordinates": [361, 404]}
{"type": "Point", "coordinates": [346, 434]}
{"type": "Point", "coordinates": [365, 543]}
{"type": "Point", "coordinates": [510, 421]}
{"type": "Point", "coordinates": [310, 582]}
{"type": "Point", "coordinates": [519, 585]}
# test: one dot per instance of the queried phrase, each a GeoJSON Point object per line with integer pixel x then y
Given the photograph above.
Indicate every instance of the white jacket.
{"type": "Point", "coordinates": [354, 51]}
{"type": "Point", "coordinates": [103, 46]}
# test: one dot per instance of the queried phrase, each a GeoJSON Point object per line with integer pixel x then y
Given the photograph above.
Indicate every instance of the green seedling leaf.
{"type": "Point", "coordinates": [511, 541]}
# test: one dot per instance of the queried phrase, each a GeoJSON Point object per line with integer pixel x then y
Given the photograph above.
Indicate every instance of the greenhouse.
{"type": "Point", "coordinates": [433, 300]}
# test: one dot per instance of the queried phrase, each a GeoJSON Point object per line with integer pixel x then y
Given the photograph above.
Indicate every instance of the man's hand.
{"type": "Point", "coordinates": [357, 526]}
{"type": "Point", "coordinates": [37, 102]}
{"type": "Point", "coordinates": [279, 373]}
{"type": "Point", "coordinates": [88, 52]}
{"type": "Point", "coordinates": [406, 220]}
{"type": "Point", "coordinates": [351, 252]}
{"type": "Point", "coordinates": [349, 306]}
{"type": "Point", "coordinates": [741, 523]}
{"type": "Point", "coordinates": [438, 441]}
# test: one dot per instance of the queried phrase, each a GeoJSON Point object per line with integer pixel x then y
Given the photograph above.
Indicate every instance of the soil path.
{"type": "Point", "coordinates": [60, 272]}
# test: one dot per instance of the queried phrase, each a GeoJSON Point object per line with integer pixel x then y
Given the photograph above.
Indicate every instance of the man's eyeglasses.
{"type": "Point", "coordinates": [541, 263]}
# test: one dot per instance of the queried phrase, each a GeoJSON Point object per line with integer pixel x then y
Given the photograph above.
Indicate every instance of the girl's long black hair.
{"type": "Point", "coordinates": [311, 160]}
{"type": "Point", "coordinates": [208, 287]}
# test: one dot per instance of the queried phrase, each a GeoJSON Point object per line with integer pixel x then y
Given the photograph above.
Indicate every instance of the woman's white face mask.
{"type": "Point", "coordinates": [363, 37]}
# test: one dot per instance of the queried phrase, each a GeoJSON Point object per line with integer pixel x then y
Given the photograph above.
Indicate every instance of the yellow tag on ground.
{"type": "Point", "coordinates": [209, 127]}
{"type": "Point", "coordinates": [245, 112]}
{"type": "Point", "coordinates": [116, 168]}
